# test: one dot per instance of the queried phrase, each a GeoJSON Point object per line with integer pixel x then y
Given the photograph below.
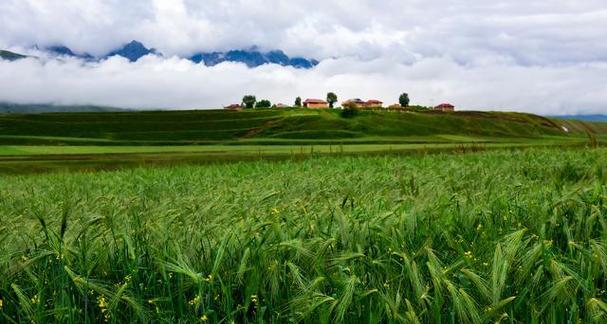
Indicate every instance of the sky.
{"type": "Point", "coordinates": [547, 57]}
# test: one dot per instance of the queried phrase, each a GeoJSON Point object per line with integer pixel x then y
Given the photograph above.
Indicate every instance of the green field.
{"type": "Point", "coordinates": [290, 125]}
{"type": "Point", "coordinates": [500, 236]}
{"type": "Point", "coordinates": [112, 140]}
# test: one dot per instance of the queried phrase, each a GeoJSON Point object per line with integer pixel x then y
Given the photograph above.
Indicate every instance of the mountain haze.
{"type": "Point", "coordinates": [135, 50]}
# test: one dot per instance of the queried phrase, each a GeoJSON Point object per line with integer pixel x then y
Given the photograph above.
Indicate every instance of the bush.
{"type": "Point", "coordinates": [349, 110]}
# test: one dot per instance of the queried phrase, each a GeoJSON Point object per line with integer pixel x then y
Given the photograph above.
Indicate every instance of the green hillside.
{"type": "Point", "coordinates": [211, 126]}
{"type": "Point", "coordinates": [12, 108]}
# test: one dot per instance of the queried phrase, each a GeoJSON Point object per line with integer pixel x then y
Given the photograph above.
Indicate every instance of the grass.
{"type": "Point", "coordinates": [213, 126]}
{"type": "Point", "coordinates": [501, 236]}
{"type": "Point", "coordinates": [36, 158]}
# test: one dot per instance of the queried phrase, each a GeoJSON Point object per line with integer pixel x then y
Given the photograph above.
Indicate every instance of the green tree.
{"type": "Point", "coordinates": [298, 102]}
{"type": "Point", "coordinates": [331, 99]}
{"type": "Point", "coordinates": [349, 110]}
{"type": "Point", "coordinates": [249, 101]}
{"type": "Point", "coordinates": [404, 100]}
{"type": "Point", "coordinates": [264, 103]}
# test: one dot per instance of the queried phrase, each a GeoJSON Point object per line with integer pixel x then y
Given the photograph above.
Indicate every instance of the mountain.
{"type": "Point", "coordinates": [593, 118]}
{"type": "Point", "coordinates": [61, 50]}
{"type": "Point", "coordinates": [133, 51]}
{"type": "Point", "coordinates": [253, 58]}
{"type": "Point", "coordinates": [10, 56]}
{"type": "Point", "coordinates": [10, 108]}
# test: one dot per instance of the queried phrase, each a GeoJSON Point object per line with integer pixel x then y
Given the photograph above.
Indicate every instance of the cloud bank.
{"type": "Point", "coordinates": [545, 57]}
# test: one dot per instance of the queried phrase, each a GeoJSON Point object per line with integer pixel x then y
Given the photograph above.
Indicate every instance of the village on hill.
{"type": "Point", "coordinates": [250, 101]}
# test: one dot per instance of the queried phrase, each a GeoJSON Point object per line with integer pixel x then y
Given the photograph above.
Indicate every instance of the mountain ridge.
{"type": "Point", "coordinates": [590, 117]}
{"type": "Point", "coordinates": [11, 56]}
{"type": "Point", "coordinates": [135, 50]}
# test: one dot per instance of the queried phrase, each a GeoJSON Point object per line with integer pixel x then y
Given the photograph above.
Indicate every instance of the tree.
{"type": "Point", "coordinates": [349, 110]}
{"type": "Point", "coordinates": [331, 99]}
{"type": "Point", "coordinates": [404, 100]}
{"type": "Point", "coordinates": [249, 101]}
{"type": "Point", "coordinates": [264, 103]}
{"type": "Point", "coordinates": [298, 102]}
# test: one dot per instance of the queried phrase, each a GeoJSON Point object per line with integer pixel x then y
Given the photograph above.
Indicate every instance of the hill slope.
{"type": "Point", "coordinates": [10, 108]}
{"type": "Point", "coordinates": [187, 127]}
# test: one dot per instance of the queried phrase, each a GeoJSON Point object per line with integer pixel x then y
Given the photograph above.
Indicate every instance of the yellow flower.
{"type": "Point", "coordinates": [102, 303]}
{"type": "Point", "coordinates": [468, 254]}
{"type": "Point", "coordinates": [1, 303]}
{"type": "Point", "coordinates": [195, 301]}
{"type": "Point", "coordinates": [35, 299]}
{"type": "Point", "coordinates": [204, 318]}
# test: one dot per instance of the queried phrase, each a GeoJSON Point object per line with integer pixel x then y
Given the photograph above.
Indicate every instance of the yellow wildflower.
{"type": "Point", "coordinates": [195, 301]}
{"type": "Point", "coordinates": [102, 303]}
{"type": "Point", "coordinates": [35, 299]}
{"type": "Point", "coordinates": [204, 318]}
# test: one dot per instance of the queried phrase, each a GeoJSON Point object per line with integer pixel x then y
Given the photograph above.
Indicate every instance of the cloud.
{"type": "Point", "coordinates": [155, 82]}
{"type": "Point", "coordinates": [545, 56]}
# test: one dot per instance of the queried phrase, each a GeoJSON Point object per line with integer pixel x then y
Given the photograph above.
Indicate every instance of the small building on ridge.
{"type": "Point", "coordinates": [233, 107]}
{"type": "Point", "coordinates": [373, 103]}
{"type": "Point", "coordinates": [445, 107]}
{"type": "Point", "coordinates": [315, 103]}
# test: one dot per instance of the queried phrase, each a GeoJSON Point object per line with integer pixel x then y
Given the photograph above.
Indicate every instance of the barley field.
{"type": "Point", "coordinates": [503, 236]}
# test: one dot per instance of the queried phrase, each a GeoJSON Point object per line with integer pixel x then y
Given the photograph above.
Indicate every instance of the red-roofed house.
{"type": "Point", "coordinates": [445, 107]}
{"type": "Point", "coordinates": [315, 103]}
{"type": "Point", "coordinates": [233, 107]}
{"type": "Point", "coordinates": [373, 103]}
{"type": "Point", "coordinates": [356, 102]}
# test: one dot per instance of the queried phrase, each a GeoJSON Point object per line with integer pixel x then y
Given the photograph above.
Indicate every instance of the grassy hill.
{"type": "Point", "coordinates": [212, 126]}
{"type": "Point", "coordinates": [12, 108]}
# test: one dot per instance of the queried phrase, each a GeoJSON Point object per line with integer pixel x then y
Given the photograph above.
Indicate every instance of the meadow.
{"type": "Point", "coordinates": [501, 236]}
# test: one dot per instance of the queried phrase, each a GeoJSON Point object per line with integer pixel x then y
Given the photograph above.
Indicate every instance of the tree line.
{"type": "Point", "coordinates": [250, 101]}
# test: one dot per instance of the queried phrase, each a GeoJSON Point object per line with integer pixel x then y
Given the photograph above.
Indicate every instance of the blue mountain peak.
{"type": "Point", "coordinates": [253, 58]}
{"type": "Point", "coordinates": [133, 51]}
{"type": "Point", "coordinates": [61, 50]}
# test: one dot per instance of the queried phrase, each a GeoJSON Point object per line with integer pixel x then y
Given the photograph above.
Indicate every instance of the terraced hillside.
{"type": "Point", "coordinates": [212, 126]}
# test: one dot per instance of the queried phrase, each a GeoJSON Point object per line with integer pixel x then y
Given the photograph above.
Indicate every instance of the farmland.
{"type": "Point", "coordinates": [113, 140]}
{"type": "Point", "coordinates": [482, 237]}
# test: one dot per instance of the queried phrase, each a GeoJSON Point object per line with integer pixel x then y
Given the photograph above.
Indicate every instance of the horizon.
{"type": "Point", "coordinates": [514, 56]}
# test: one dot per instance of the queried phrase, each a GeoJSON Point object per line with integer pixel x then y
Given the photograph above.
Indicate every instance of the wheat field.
{"type": "Point", "coordinates": [504, 236]}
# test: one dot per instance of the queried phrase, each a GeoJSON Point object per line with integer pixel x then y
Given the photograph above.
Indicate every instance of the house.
{"type": "Point", "coordinates": [315, 103]}
{"type": "Point", "coordinates": [445, 107]}
{"type": "Point", "coordinates": [233, 107]}
{"type": "Point", "coordinates": [356, 102]}
{"type": "Point", "coordinates": [373, 103]}
{"type": "Point", "coordinates": [281, 105]}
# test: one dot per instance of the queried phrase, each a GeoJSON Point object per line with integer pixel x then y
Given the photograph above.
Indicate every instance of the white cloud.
{"type": "Point", "coordinates": [545, 56]}
{"type": "Point", "coordinates": [155, 82]}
